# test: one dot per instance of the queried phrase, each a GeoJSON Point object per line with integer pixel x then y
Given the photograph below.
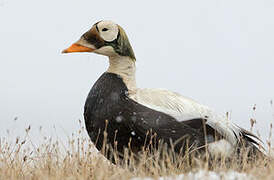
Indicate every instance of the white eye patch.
{"type": "Point", "coordinates": [108, 30]}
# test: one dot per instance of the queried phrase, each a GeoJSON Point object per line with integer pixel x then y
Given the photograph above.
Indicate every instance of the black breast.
{"type": "Point", "coordinates": [129, 120]}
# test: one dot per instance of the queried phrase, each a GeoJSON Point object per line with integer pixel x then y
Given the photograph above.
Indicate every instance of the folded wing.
{"type": "Point", "coordinates": [186, 110]}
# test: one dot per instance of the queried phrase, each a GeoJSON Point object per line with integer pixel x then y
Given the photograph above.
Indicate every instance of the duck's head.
{"type": "Point", "coordinates": [106, 38]}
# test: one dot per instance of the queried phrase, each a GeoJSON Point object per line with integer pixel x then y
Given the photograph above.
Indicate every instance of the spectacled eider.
{"type": "Point", "coordinates": [132, 112]}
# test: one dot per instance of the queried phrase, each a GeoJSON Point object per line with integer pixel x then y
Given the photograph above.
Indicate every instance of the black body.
{"type": "Point", "coordinates": [130, 121]}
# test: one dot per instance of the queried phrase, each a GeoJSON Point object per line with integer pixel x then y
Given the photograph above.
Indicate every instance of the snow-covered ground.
{"type": "Point", "coordinates": [204, 175]}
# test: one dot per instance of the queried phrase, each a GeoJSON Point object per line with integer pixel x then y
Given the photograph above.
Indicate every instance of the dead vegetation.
{"type": "Point", "coordinates": [77, 158]}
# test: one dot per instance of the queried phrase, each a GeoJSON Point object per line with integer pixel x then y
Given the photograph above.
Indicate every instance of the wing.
{"type": "Point", "coordinates": [184, 109]}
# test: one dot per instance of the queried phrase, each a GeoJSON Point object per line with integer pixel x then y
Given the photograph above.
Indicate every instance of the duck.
{"type": "Point", "coordinates": [119, 113]}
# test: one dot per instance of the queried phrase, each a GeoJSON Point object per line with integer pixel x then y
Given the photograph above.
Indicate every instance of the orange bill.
{"type": "Point", "coordinates": [77, 48]}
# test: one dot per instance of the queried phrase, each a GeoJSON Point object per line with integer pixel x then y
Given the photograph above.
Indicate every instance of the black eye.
{"type": "Point", "coordinates": [105, 29]}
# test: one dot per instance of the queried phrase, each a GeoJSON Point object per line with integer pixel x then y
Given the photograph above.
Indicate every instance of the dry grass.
{"type": "Point", "coordinates": [77, 159]}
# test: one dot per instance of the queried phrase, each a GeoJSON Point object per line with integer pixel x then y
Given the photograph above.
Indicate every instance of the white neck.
{"type": "Point", "coordinates": [125, 67]}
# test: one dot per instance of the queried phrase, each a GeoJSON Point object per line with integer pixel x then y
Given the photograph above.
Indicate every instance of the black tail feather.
{"type": "Point", "coordinates": [252, 143]}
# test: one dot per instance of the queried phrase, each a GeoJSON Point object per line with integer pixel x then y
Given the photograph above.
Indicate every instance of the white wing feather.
{"type": "Point", "coordinates": [183, 108]}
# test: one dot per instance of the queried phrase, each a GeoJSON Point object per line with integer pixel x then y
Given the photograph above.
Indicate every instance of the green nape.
{"type": "Point", "coordinates": [124, 48]}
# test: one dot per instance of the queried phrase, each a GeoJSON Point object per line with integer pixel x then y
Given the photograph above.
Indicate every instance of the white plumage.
{"type": "Point", "coordinates": [183, 108]}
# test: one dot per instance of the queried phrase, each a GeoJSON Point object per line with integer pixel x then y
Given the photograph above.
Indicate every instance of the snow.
{"type": "Point", "coordinates": [133, 118]}
{"type": "Point", "coordinates": [205, 175]}
{"type": "Point", "coordinates": [119, 119]}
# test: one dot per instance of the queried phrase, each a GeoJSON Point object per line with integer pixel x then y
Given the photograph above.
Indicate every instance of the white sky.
{"type": "Point", "coordinates": [218, 52]}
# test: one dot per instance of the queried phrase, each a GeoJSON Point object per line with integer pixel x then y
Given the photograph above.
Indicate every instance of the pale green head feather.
{"type": "Point", "coordinates": [123, 46]}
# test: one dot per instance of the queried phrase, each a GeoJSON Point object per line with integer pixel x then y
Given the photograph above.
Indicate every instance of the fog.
{"type": "Point", "coordinates": [218, 52]}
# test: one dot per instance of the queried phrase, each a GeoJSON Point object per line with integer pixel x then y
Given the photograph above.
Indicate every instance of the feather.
{"type": "Point", "coordinates": [184, 109]}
